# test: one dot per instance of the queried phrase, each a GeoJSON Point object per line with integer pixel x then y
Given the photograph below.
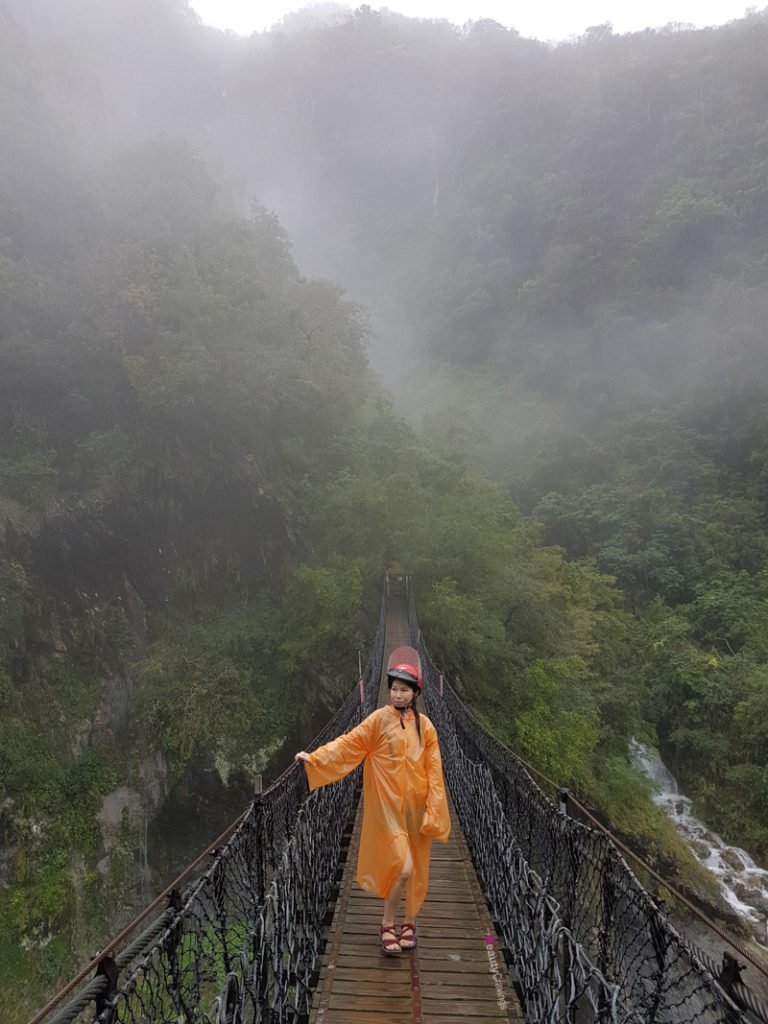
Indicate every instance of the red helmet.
{"type": "Point", "coordinates": [404, 663]}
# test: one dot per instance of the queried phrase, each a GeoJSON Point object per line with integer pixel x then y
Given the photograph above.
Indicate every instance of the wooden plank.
{"type": "Point", "coordinates": [452, 956]}
{"type": "Point", "coordinates": [364, 985]}
{"type": "Point", "coordinates": [391, 969]}
{"type": "Point", "coordinates": [437, 912]}
{"type": "Point", "coordinates": [443, 978]}
{"type": "Point", "coordinates": [433, 1017]}
{"type": "Point", "coordinates": [396, 1002]}
{"type": "Point", "coordinates": [379, 1015]}
{"type": "Point", "coordinates": [457, 996]}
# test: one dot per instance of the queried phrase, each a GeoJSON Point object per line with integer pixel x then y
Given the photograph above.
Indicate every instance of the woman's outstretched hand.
{"type": "Point", "coordinates": [302, 756]}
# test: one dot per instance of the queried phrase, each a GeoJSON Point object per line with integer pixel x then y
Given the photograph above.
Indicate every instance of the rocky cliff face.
{"type": "Point", "coordinates": [79, 791]}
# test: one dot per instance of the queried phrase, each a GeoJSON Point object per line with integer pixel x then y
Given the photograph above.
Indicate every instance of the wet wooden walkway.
{"type": "Point", "coordinates": [456, 975]}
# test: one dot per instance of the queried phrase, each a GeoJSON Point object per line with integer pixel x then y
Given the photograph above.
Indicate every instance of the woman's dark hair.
{"type": "Point", "coordinates": [416, 712]}
{"type": "Point", "coordinates": [412, 705]}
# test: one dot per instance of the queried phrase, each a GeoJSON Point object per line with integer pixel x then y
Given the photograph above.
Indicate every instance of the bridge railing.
{"type": "Point", "coordinates": [242, 941]}
{"type": "Point", "coordinates": [587, 942]}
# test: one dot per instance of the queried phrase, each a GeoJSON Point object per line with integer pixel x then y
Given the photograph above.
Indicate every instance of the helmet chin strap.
{"type": "Point", "coordinates": [402, 709]}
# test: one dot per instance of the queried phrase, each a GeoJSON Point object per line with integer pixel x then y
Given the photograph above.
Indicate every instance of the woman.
{"type": "Point", "coordinates": [404, 803]}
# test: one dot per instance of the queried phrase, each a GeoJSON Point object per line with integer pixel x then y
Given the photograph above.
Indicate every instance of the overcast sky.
{"type": "Point", "coordinates": [543, 19]}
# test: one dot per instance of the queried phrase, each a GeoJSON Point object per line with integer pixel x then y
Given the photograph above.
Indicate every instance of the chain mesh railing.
{"type": "Point", "coordinates": [587, 942]}
{"type": "Point", "coordinates": [242, 942]}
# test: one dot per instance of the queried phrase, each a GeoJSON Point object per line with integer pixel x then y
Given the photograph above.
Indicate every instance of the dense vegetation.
{"type": "Point", "coordinates": [567, 252]}
{"type": "Point", "coordinates": [564, 252]}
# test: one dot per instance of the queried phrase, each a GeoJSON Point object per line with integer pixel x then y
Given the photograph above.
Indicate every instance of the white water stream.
{"type": "Point", "coordinates": [744, 885]}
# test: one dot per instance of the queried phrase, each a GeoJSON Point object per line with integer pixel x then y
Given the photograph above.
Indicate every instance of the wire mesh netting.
{"type": "Point", "coordinates": [587, 941]}
{"type": "Point", "coordinates": [242, 942]}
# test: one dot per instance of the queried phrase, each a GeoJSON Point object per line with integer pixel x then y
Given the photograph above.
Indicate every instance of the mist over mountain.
{"type": "Point", "coordinates": [587, 189]}
{"type": "Point", "coordinates": [364, 290]}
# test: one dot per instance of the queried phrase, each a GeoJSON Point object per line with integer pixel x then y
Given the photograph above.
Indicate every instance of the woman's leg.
{"type": "Point", "coordinates": [416, 889]}
{"type": "Point", "coordinates": [395, 894]}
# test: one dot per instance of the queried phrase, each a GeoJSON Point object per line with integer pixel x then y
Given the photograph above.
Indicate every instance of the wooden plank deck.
{"type": "Point", "coordinates": [448, 979]}
{"type": "Point", "coordinates": [456, 975]}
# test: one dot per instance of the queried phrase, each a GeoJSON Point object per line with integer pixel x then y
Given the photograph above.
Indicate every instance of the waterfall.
{"type": "Point", "coordinates": [744, 885]}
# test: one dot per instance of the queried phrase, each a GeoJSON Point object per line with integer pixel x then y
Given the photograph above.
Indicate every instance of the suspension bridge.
{"type": "Point", "coordinates": [533, 914]}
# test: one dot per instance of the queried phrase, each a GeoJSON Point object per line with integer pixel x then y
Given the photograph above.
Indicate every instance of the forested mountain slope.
{"type": "Point", "coordinates": [518, 202]}
{"type": "Point", "coordinates": [563, 252]}
{"type": "Point", "coordinates": [567, 252]}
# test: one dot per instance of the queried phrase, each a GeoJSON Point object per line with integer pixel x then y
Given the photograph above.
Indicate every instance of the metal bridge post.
{"type": "Point", "coordinates": [606, 929]}
{"type": "Point", "coordinates": [568, 883]}
{"type": "Point", "coordinates": [108, 970]}
{"type": "Point", "coordinates": [562, 798]}
{"type": "Point", "coordinates": [219, 892]}
{"type": "Point", "coordinates": [259, 874]}
{"type": "Point", "coordinates": [661, 942]}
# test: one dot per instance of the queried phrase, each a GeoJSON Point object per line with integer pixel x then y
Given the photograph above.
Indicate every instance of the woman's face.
{"type": "Point", "coordinates": [401, 694]}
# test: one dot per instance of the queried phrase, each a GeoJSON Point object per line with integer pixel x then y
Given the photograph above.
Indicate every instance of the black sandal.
{"type": "Point", "coordinates": [389, 947]}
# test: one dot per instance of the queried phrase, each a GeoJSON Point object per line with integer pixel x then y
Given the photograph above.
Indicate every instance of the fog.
{"type": "Point", "coordinates": [472, 187]}
{"type": "Point", "coordinates": [495, 202]}
{"type": "Point", "coordinates": [553, 20]}
{"type": "Point", "coordinates": [222, 261]}
{"type": "Point", "coordinates": [557, 216]}
{"type": "Point", "coordinates": [540, 233]}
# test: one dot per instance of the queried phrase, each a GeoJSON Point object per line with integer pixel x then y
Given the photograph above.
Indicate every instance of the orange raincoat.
{"type": "Point", "coordinates": [404, 802]}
